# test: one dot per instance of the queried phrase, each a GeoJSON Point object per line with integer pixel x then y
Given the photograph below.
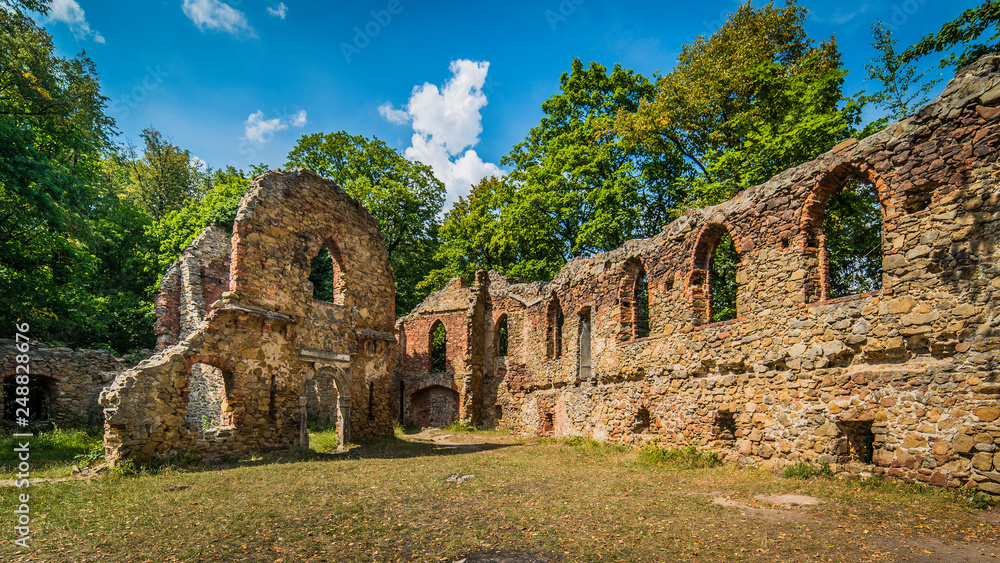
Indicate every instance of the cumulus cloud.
{"type": "Point", "coordinates": [279, 11]}
{"type": "Point", "coordinates": [446, 125]}
{"type": "Point", "coordinates": [213, 14]}
{"type": "Point", "coordinates": [70, 13]}
{"type": "Point", "coordinates": [198, 163]}
{"type": "Point", "coordinates": [260, 130]}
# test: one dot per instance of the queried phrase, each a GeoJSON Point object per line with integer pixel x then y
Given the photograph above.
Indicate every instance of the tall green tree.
{"type": "Point", "coordinates": [754, 98]}
{"type": "Point", "coordinates": [902, 89]}
{"type": "Point", "coordinates": [165, 177]}
{"type": "Point", "coordinates": [403, 195]}
{"type": "Point", "coordinates": [965, 33]}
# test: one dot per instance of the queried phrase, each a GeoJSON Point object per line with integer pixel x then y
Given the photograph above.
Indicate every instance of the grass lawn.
{"type": "Point", "coordinates": [531, 500]}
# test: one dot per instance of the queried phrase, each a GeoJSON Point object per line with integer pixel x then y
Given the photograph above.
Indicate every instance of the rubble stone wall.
{"type": "Point", "coordinates": [906, 376]}
{"type": "Point", "coordinates": [272, 343]}
{"type": "Point", "coordinates": [71, 380]}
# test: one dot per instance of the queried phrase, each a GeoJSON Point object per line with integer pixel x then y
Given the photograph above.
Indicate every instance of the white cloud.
{"type": "Point", "coordinates": [198, 163]}
{"type": "Point", "coordinates": [260, 130]}
{"type": "Point", "coordinates": [213, 14]}
{"type": "Point", "coordinates": [70, 13]}
{"type": "Point", "coordinates": [446, 125]}
{"type": "Point", "coordinates": [279, 11]}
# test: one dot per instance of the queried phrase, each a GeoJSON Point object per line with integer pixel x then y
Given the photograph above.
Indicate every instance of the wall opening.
{"type": "Point", "coordinates": [553, 338]}
{"type": "Point", "coordinates": [435, 406]}
{"type": "Point", "coordinates": [641, 422]}
{"type": "Point", "coordinates": [714, 271]}
{"type": "Point", "coordinates": [371, 401]}
{"type": "Point", "coordinates": [584, 346]}
{"type": "Point", "coordinates": [548, 426]}
{"type": "Point", "coordinates": [208, 404]}
{"type": "Point", "coordinates": [36, 404]}
{"type": "Point", "coordinates": [633, 297]}
{"type": "Point", "coordinates": [438, 348]}
{"type": "Point", "coordinates": [725, 426]}
{"type": "Point", "coordinates": [852, 228]}
{"type": "Point", "coordinates": [856, 443]}
{"type": "Point", "coordinates": [402, 401]}
{"type": "Point", "coordinates": [325, 273]}
{"type": "Point", "coordinates": [500, 339]}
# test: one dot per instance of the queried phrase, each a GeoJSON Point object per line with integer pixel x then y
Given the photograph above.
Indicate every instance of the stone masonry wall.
{"type": "Point", "coordinates": [271, 341]}
{"type": "Point", "coordinates": [71, 379]}
{"type": "Point", "coordinates": [905, 377]}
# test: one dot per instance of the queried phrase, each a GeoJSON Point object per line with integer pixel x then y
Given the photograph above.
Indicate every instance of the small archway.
{"type": "Point", "coordinates": [209, 391]}
{"type": "Point", "coordinates": [434, 405]}
{"type": "Point", "coordinates": [714, 269]}
{"type": "Point", "coordinates": [438, 348]}
{"type": "Point", "coordinates": [39, 403]}
{"type": "Point", "coordinates": [553, 330]}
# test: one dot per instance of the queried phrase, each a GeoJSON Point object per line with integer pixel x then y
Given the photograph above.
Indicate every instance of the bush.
{"type": "Point", "coordinates": [689, 457]}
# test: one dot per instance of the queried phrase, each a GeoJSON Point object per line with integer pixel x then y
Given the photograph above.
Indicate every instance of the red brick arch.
{"type": "Point", "coordinates": [700, 278]}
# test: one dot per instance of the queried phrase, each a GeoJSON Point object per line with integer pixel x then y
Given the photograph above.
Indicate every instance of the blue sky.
{"type": "Point", "coordinates": [455, 84]}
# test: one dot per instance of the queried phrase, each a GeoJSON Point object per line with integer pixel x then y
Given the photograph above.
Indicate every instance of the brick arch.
{"type": "Point", "coordinates": [812, 239]}
{"type": "Point", "coordinates": [341, 277]}
{"type": "Point", "coordinates": [501, 322]}
{"type": "Point", "coordinates": [702, 256]}
{"type": "Point", "coordinates": [633, 320]}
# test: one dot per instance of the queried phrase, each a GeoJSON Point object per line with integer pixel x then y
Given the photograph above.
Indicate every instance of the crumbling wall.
{"type": "Point", "coordinates": [69, 381]}
{"type": "Point", "coordinates": [268, 337]}
{"type": "Point", "coordinates": [905, 376]}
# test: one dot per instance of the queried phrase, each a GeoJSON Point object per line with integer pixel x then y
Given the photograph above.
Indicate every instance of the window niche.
{"type": "Point", "coordinates": [714, 274]}
{"type": "Point", "coordinates": [438, 347]}
{"type": "Point", "coordinates": [584, 344]}
{"type": "Point", "coordinates": [326, 274]}
{"type": "Point", "coordinates": [500, 337]}
{"type": "Point", "coordinates": [554, 326]}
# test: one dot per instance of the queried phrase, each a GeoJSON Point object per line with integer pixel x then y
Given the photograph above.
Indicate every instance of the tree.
{"type": "Point", "coordinates": [165, 178]}
{"type": "Point", "coordinates": [964, 31]}
{"type": "Point", "coordinates": [218, 206]}
{"type": "Point", "coordinates": [576, 185]}
{"type": "Point", "coordinates": [754, 98]}
{"type": "Point", "coordinates": [897, 77]}
{"type": "Point", "coordinates": [403, 195]}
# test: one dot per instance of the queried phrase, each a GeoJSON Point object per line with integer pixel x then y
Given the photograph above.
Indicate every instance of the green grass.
{"type": "Point", "coordinates": [689, 457]}
{"type": "Point", "coordinates": [565, 500]}
{"type": "Point", "coordinates": [53, 452]}
{"type": "Point", "coordinates": [803, 470]}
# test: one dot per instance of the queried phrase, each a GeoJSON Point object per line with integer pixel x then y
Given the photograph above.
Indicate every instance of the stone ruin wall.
{"type": "Point", "coordinates": [272, 343]}
{"type": "Point", "coordinates": [71, 380]}
{"type": "Point", "coordinates": [909, 371]}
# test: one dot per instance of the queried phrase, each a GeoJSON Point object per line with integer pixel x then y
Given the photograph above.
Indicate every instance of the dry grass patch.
{"type": "Point", "coordinates": [529, 500]}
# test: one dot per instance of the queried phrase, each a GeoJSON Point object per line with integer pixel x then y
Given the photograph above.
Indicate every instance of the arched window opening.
{"type": "Point", "coordinates": [438, 348]}
{"type": "Point", "coordinates": [713, 275]}
{"type": "Point", "coordinates": [725, 262]}
{"type": "Point", "coordinates": [208, 389]}
{"type": "Point", "coordinates": [852, 225]}
{"type": "Point", "coordinates": [554, 329]}
{"type": "Point", "coordinates": [500, 340]}
{"type": "Point", "coordinates": [325, 274]}
{"type": "Point", "coordinates": [584, 346]}
{"type": "Point", "coordinates": [640, 304]}
{"type": "Point", "coordinates": [35, 403]}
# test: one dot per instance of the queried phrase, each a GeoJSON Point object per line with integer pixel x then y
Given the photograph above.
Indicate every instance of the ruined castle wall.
{"type": "Point", "coordinates": [271, 341]}
{"type": "Point", "coordinates": [905, 375]}
{"type": "Point", "coordinates": [70, 380]}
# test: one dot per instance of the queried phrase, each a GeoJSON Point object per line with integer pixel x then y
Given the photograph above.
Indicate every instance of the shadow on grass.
{"type": "Point", "coordinates": [378, 448]}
